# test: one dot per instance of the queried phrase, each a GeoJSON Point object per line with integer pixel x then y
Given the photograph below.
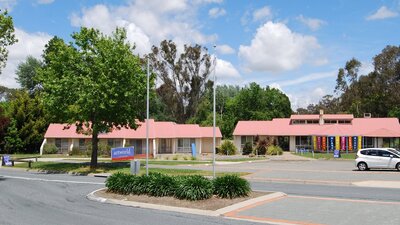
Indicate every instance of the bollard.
{"type": "Point", "coordinates": [135, 167]}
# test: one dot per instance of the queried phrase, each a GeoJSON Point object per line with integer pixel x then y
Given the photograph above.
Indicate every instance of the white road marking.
{"type": "Point", "coordinates": [47, 180]}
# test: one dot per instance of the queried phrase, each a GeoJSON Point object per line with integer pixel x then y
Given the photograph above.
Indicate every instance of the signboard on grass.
{"type": "Point", "coordinates": [7, 160]}
{"type": "Point", "coordinates": [118, 154]}
{"type": "Point", "coordinates": [336, 153]}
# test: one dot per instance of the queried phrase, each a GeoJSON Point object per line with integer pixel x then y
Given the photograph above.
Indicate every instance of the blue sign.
{"type": "Point", "coordinates": [122, 153]}
{"type": "Point", "coordinates": [331, 143]}
{"type": "Point", "coordinates": [336, 153]}
{"type": "Point", "coordinates": [193, 149]}
{"type": "Point", "coordinates": [6, 159]}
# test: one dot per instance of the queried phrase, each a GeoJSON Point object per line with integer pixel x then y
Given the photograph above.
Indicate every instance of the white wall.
{"type": "Point", "coordinates": [292, 143]}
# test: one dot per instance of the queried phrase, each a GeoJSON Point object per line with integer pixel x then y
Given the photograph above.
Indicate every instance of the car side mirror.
{"type": "Point", "coordinates": [391, 156]}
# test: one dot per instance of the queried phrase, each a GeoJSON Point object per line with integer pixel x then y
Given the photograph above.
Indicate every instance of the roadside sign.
{"type": "Point", "coordinates": [7, 161]}
{"type": "Point", "coordinates": [336, 153]}
{"type": "Point", "coordinates": [193, 149]}
{"type": "Point", "coordinates": [122, 153]}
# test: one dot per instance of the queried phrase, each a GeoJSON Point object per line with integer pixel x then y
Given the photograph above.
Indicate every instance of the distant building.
{"type": "Point", "coordinates": [323, 132]}
{"type": "Point", "coordinates": [164, 138]}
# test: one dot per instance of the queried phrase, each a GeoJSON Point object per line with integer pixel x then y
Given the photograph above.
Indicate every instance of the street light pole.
{"type": "Point", "coordinates": [214, 87]}
{"type": "Point", "coordinates": [147, 119]}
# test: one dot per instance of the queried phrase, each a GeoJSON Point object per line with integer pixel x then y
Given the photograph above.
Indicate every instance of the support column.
{"type": "Point", "coordinates": [154, 148]}
{"type": "Point", "coordinates": [42, 146]}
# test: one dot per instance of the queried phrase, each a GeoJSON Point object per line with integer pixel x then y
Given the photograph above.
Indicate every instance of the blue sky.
{"type": "Point", "coordinates": [294, 45]}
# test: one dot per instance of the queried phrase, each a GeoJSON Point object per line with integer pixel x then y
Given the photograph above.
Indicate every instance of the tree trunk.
{"type": "Point", "coordinates": [95, 141]}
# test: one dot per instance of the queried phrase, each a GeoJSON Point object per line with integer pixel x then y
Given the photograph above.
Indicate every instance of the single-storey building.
{"type": "Point", "coordinates": [322, 132]}
{"type": "Point", "coordinates": [164, 138]}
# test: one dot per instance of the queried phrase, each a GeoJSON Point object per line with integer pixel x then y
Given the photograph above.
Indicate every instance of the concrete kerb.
{"type": "Point", "coordinates": [220, 212]}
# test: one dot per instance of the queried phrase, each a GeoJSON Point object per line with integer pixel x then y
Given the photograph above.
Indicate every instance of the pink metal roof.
{"type": "Point", "coordinates": [156, 130]}
{"type": "Point", "coordinates": [325, 116]}
{"type": "Point", "coordinates": [373, 127]}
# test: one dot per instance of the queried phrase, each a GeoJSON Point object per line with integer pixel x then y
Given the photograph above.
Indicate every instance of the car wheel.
{"type": "Point", "coordinates": [362, 166]}
{"type": "Point", "coordinates": [398, 166]}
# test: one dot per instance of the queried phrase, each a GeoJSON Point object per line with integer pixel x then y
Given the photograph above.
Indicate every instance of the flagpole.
{"type": "Point", "coordinates": [214, 87]}
{"type": "Point", "coordinates": [147, 119]}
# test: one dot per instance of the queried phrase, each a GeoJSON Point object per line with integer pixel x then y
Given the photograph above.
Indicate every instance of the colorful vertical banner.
{"type": "Point", "coordinates": [342, 143]}
{"type": "Point", "coordinates": [359, 145]}
{"type": "Point", "coordinates": [350, 144]}
{"type": "Point", "coordinates": [323, 143]}
{"type": "Point", "coordinates": [331, 143]}
{"type": "Point", "coordinates": [337, 144]}
{"type": "Point", "coordinates": [319, 143]}
{"type": "Point", "coordinates": [355, 141]}
{"type": "Point", "coordinates": [315, 142]}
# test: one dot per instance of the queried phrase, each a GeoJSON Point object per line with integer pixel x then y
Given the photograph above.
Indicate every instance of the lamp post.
{"type": "Point", "coordinates": [147, 119]}
{"type": "Point", "coordinates": [214, 87]}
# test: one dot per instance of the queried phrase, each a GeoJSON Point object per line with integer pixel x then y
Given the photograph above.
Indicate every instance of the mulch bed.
{"type": "Point", "coordinates": [213, 203]}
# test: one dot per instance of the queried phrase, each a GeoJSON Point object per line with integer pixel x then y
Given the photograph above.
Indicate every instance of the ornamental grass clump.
{"type": "Point", "coordinates": [194, 188]}
{"type": "Point", "coordinates": [161, 185]}
{"type": "Point", "coordinates": [231, 186]}
{"type": "Point", "coordinates": [117, 183]}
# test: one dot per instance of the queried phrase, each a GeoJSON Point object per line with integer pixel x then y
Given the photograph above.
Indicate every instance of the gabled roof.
{"type": "Point", "coordinates": [370, 127]}
{"type": "Point", "coordinates": [157, 129]}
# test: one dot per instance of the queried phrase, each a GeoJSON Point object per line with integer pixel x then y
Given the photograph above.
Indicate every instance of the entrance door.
{"type": "Point", "coordinates": [283, 142]}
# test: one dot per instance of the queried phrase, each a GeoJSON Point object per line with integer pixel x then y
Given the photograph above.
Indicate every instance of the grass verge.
{"type": "Point", "coordinates": [112, 167]}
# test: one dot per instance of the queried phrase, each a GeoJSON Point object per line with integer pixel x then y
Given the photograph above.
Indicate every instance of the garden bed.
{"type": "Point", "coordinates": [214, 203]}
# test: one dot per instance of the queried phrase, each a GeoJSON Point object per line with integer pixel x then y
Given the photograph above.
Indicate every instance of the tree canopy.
{"type": "Point", "coordinates": [26, 73]}
{"type": "Point", "coordinates": [7, 37]}
{"type": "Point", "coordinates": [95, 81]}
{"type": "Point", "coordinates": [183, 77]}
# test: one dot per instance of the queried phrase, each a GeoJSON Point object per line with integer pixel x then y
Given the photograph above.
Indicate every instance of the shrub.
{"type": "Point", "coordinates": [194, 188]}
{"type": "Point", "coordinates": [161, 185]}
{"type": "Point", "coordinates": [75, 151]}
{"type": "Point", "coordinates": [274, 150]}
{"type": "Point", "coordinates": [141, 185]}
{"type": "Point", "coordinates": [261, 147]}
{"type": "Point", "coordinates": [175, 157]}
{"type": "Point", "coordinates": [104, 150]}
{"type": "Point", "coordinates": [227, 148]}
{"type": "Point", "coordinates": [50, 149]}
{"type": "Point", "coordinates": [118, 183]}
{"type": "Point", "coordinates": [193, 158]}
{"type": "Point", "coordinates": [231, 186]}
{"type": "Point", "coordinates": [247, 148]}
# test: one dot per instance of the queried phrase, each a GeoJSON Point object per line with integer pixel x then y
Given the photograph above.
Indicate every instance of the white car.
{"type": "Point", "coordinates": [378, 158]}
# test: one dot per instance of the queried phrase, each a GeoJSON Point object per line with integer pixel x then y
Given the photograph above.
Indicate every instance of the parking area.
{"type": "Point", "coordinates": [317, 210]}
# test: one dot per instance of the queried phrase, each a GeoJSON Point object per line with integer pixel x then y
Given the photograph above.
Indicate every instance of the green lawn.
{"type": "Point", "coordinates": [110, 167]}
{"type": "Point", "coordinates": [349, 156]}
{"type": "Point", "coordinates": [244, 159]}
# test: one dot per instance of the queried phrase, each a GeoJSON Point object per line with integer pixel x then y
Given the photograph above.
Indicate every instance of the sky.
{"type": "Point", "coordinates": [296, 46]}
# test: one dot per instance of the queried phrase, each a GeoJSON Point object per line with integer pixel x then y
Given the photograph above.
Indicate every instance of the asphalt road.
{"type": "Point", "coordinates": [35, 198]}
{"type": "Point", "coordinates": [48, 199]}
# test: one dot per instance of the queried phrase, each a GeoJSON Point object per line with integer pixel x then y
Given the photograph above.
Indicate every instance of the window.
{"type": "Point", "coordinates": [139, 145]}
{"type": "Point", "coordinates": [114, 143]}
{"type": "Point", "coordinates": [330, 121]}
{"type": "Point", "coordinates": [245, 139]}
{"type": "Point", "coordinates": [185, 145]}
{"type": "Point", "coordinates": [165, 146]}
{"type": "Point", "coordinates": [303, 142]}
{"type": "Point", "coordinates": [82, 144]}
{"type": "Point", "coordinates": [344, 121]}
{"type": "Point", "coordinates": [391, 142]}
{"type": "Point", "coordinates": [368, 142]}
{"type": "Point", "coordinates": [62, 144]}
{"type": "Point", "coordinates": [383, 153]}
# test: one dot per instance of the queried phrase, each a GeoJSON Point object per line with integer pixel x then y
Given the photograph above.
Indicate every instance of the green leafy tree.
{"type": "Point", "coordinates": [4, 121]}
{"type": "Point", "coordinates": [95, 81]}
{"type": "Point", "coordinates": [184, 77]}
{"type": "Point", "coordinates": [7, 37]}
{"type": "Point", "coordinates": [31, 120]}
{"type": "Point", "coordinates": [26, 73]}
{"type": "Point", "coordinates": [13, 141]}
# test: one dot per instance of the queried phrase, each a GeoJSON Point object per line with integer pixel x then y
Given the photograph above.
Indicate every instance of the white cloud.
{"type": "Point", "coordinates": [8, 4]}
{"type": "Point", "coordinates": [276, 48]}
{"type": "Point", "coordinates": [45, 1]}
{"type": "Point", "coordinates": [28, 44]}
{"type": "Point", "coordinates": [216, 12]}
{"type": "Point", "coordinates": [303, 99]}
{"type": "Point", "coordinates": [366, 68]}
{"type": "Point", "coordinates": [312, 23]}
{"type": "Point", "coordinates": [225, 69]}
{"type": "Point", "coordinates": [225, 49]}
{"type": "Point", "coordinates": [307, 78]}
{"type": "Point", "coordinates": [262, 14]}
{"type": "Point", "coordinates": [382, 13]}
{"type": "Point", "coordinates": [148, 22]}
